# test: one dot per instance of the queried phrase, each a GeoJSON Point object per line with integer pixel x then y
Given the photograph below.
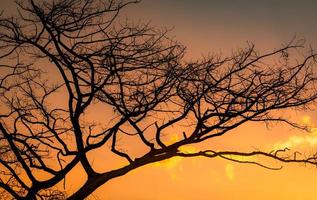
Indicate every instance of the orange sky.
{"type": "Point", "coordinates": [213, 26]}
{"type": "Point", "coordinates": [206, 26]}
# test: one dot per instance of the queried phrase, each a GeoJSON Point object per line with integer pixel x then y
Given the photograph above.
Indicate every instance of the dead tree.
{"type": "Point", "coordinates": [61, 59]}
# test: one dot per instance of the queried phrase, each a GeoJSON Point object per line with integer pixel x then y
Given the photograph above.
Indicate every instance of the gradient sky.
{"type": "Point", "coordinates": [212, 25]}
{"type": "Point", "coordinates": [207, 26]}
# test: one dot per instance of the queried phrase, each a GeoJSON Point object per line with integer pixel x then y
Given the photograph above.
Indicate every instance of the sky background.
{"type": "Point", "coordinates": [213, 26]}
{"type": "Point", "coordinates": [208, 26]}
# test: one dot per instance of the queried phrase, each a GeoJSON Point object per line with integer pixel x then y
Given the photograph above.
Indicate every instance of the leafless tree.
{"type": "Point", "coordinates": [62, 58]}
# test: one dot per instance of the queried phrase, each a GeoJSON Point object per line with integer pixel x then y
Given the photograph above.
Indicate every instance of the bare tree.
{"type": "Point", "coordinates": [62, 58]}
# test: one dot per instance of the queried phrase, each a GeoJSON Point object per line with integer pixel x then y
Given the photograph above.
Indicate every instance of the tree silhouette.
{"type": "Point", "coordinates": [61, 59]}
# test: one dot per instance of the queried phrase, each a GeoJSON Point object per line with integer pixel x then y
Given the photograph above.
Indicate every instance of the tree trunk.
{"type": "Point", "coordinates": [94, 182]}
{"type": "Point", "coordinates": [89, 187]}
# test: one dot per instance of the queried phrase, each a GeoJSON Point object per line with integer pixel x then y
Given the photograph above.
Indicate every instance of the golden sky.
{"type": "Point", "coordinates": [207, 26]}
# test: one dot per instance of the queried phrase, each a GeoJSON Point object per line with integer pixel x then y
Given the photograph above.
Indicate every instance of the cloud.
{"type": "Point", "coordinates": [306, 120]}
{"type": "Point", "coordinates": [169, 164]}
{"type": "Point", "coordinates": [174, 165]}
{"type": "Point", "coordinates": [299, 141]}
{"type": "Point", "coordinates": [229, 170]}
{"type": "Point", "coordinates": [188, 149]}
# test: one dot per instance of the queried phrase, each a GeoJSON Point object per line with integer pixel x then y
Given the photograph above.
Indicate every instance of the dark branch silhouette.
{"type": "Point", "coordinates": [61, 58]}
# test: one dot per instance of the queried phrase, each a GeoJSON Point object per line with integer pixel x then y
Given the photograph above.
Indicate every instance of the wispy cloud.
{"type": "Point", "coordinates": [297, 141]}
{"type": "Point", "coordinates": [230, 172]}
{"type": "Point", "coordinates": [300, 141]}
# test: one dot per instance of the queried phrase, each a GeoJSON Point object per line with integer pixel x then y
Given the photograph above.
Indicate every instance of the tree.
{"type": "Point", "coordinates": [61, 59]}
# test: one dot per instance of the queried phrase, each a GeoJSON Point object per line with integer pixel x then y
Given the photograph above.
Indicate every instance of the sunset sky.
{"type": "Point", "coordinates": [209, 26]}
